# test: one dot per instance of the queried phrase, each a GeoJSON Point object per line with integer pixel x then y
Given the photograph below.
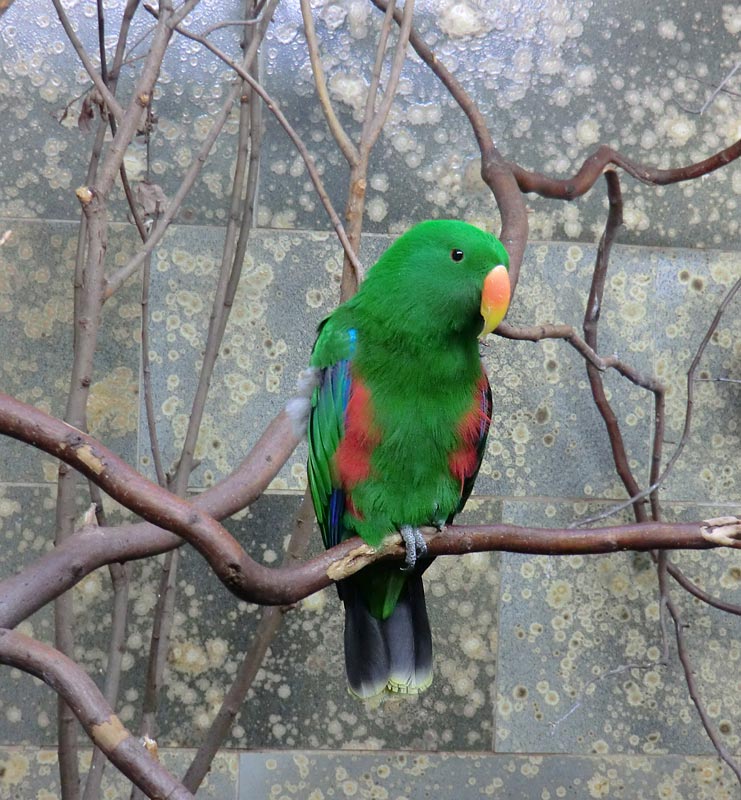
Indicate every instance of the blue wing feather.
{"type": "Point", "coordinates": [326, 429]}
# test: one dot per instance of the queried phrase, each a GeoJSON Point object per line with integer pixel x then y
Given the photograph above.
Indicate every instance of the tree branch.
{"type": "Point", "coordinates": [90, 707]}
{"type": "Point", "coordinates": [320, 84]}
{"type": "Point", "coordinates": [255, 582]}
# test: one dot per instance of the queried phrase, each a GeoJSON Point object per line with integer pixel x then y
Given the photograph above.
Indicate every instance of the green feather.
{"type": "Point", "coordinates": [416, 320]}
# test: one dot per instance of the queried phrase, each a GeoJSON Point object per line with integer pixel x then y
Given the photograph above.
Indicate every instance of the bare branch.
{"type": "Point", "coordinates": [250, 580]}
{"type": "Point", "coordinates": [689, 677]}
{"type": "Point", "coordinates": [108, 97]}
{"type": "Point", "coordinates": [90, 707]}
{"type": "Point", "coordinates": [595, 164]}
{"type": "Point", "coordinates": [320, 84]}
{"type": "Point", "coordinates": [496, 172]}
{"type": "Point", "coordinates": [727, 300]}
{"type": "Point", "coordinates": [374, 122]}
{"type": "Point", "coordinates": [270, 622]}
{"type": "Point", "coordinates": [294, 137]}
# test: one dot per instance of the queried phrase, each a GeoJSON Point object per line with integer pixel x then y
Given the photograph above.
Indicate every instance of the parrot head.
{"type": "Point", "coordinates": [445, 274]}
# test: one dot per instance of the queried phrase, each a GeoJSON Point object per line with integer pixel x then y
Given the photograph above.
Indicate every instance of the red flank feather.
{"type": "Point", "coordinates": [464, 461]}
{"type": "Point", "coordinates": [361, 436]}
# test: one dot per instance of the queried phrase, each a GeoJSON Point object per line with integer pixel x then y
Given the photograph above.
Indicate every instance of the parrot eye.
{"type": "Point", "coordinates": [456, 254]}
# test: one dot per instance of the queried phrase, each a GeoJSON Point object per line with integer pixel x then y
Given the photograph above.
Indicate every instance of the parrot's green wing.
{"type": "Point", "coordinates": [332, 353]}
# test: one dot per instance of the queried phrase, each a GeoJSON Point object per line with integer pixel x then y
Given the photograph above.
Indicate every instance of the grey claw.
{"type": "Point", "coordinates": [415, 546]}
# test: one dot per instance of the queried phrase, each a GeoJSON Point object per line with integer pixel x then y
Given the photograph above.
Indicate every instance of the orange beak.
{"type": "Point", "coordinates": [495, 298]}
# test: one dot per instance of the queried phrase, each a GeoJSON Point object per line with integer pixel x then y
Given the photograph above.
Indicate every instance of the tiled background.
{"type": "Point", "coordinates": [533, 655]}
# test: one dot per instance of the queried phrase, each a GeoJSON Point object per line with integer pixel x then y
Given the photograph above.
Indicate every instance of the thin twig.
{"type": "Point", "coordinates": [229, 272]}
{"type": "Point", "coordinates": [147, 377]}
{"type": "Point", "coordinates": [270, 622]}
{"type": "Point", "coordinates": [701, 594]}
{"type": "Point", "coordinates": [716, 91]}
{"type": "Point", "coordinates": [320, 85]}
{"type": "Point", "coordinates": [120, 575]}
{"type": "Point", "coordinates": [687, 417]}
{"type": "Point", "coordinates": [294, 137]}
{"type": "Point", "coordinates": [97, 78]}
{"type": "Point", "coordinates": [375, 119]}
{"type": "Point", "coordinates": [689, 677]}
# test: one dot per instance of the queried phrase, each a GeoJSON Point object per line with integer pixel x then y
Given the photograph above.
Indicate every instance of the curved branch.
{"type": "Point", "coordinates": [62, 568]}
{"type": "Point", "coordinates": [727, 300]}
{"type": "Point", "coordinates": [548, 330]}
{"type": "Point", "coordinates": [595, 164]}
{"type": "Point", "coordinates": [495, 170]}
{"type": "Point", "coordinates": [95, 715]}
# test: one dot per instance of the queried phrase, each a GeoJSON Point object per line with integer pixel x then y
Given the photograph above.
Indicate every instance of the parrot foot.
{"type": "Point", "coordinates": [415, 545]}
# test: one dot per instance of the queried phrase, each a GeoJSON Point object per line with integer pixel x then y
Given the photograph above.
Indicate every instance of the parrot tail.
{"type": "Point", "coordinates": [392, 655]}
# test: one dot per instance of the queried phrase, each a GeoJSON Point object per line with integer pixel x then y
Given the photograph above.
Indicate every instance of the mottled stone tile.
{"type": "Point", "coordinates": [692, 286]}
{"type": "Point", "coordinates": [27, 705]}
{"type": "Point", "coordinates": [289, 282]}
{"type": "Point", "coordinates": [33, 772]}
{"type": "Point", "coordinates": [36, 306]}
{"type": "Point", "coordinates": [301, 683]}
{"type": "Point", "coordinates": [552, 82]}
{"type": "Point", "coordinates": [544, 417]}
{"type": "Point", "coordinates": [414, 776]}
{"type": "Point", "coordinates": [299, 697]}
{"type": "Point", "coordinates": [580, 647]}
{"type": "Point", "coordinates": [46, 154]}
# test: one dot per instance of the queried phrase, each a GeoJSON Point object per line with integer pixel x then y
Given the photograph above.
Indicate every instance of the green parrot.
{"type": "Point", "coordinates": [397, 406]}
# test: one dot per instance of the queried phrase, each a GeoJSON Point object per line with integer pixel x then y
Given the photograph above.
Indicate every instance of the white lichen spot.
{"type": "Point", "coordinates": [349, 89]}
{"type": "Point", "coordinates": [113, 403]}
{"type": "Point", "coordinates": [90, 588]}
{"type": "Point", "coordinates": [585, 75]}
{"type": "Point", "coordinates": [587, 131]}
{"type": "Point", "coordinates": [314, 298]}
{"type": "Point", "coordinates": [13, 770]}
{"type": "Point", "coordinates": [315, 603]}
{"type": "Point", "coordinates": [680, 130]}
{"type": "Point", "coordinates": [632, 312]}
{"type": "Point", "coordinates": [376, 209]}
{"type": "Point", "coordinates": [9, 507]}
{"type": "Point", "coordinates": [559, 594]}
{"type": "Point", "coordinates": [520, 433]}
{"type": "Point", "coordinates": [667, 29]}
{"type": "Point", "coordinates": [402, 141]}
{"type": "Point", "coordinates": [188, 657]}
{"type": "Point", "coordinates": [473, 646]}
{"type": "Point", "coordinates": [598, 785]}
{"type": "Point", "coordinates": [217, 650]}
{"type": "Point", "coordinates": [459, 19]}
{"type": "Point", "coordinates": [732, 18]}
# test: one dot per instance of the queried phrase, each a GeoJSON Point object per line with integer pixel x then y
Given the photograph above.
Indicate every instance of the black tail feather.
{"type": "Point", "coordinates": [394, 654]}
